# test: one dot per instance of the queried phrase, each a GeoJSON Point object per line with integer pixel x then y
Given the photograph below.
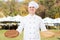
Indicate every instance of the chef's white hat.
{"type": "Point", "coordinates": [34, 4]}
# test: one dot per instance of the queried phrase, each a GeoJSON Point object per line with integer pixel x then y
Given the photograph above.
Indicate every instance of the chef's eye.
{"type": "Point", "coordinates": [31, 7]}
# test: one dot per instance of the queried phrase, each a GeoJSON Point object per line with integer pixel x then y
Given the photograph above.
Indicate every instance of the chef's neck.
{"type": "Point", "coordinates": [32, 14]}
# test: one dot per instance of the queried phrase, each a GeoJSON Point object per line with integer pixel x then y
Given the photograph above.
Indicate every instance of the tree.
{"type": "Point", "coordinates": [49, 11]}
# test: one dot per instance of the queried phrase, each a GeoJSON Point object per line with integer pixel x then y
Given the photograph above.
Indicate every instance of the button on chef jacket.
{"type": "Point", "coordinates": [31, 26]}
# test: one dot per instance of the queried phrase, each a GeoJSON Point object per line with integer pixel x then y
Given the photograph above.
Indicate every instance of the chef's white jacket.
{"type": "Point", "coordinates": [31, 26]}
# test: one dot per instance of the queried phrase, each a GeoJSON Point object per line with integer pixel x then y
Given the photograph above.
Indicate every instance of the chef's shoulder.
{"type": "Point", "coordinates": [40, 18]}
{"type": "Point", "coordinates": [24, 18]}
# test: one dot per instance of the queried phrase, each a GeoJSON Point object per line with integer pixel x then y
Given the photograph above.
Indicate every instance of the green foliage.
{"type": "Point", "coordinates": [51, 7]}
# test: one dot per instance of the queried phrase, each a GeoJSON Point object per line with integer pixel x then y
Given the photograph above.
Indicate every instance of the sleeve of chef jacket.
{"type": "Point", "coordinates": [42, 25]}
{"type": "Point", "coordinates": [20, 27]}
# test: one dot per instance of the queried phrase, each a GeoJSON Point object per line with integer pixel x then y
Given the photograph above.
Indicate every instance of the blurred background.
{"type": "Point", "coordinates": [48, 8]}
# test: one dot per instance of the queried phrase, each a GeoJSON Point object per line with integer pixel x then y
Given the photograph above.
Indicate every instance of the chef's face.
{"type": "Point", "coordinates": [31, 10]}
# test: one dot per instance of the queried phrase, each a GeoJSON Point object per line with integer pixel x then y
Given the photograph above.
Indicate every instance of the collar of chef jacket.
{"type": "Point", "coordinates": [31, 16]}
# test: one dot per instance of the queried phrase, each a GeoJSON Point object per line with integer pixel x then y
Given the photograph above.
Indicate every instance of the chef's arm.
{"type": "Point", "coordinates": [20, 27]}
{"type": "Point", "coordinates": [44, 32]}
{"type": "Point", "coordinates": [42, 25]}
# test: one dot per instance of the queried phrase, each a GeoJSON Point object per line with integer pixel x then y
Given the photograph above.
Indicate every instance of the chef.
{"type": "Point", "coordinates": [31, 23]}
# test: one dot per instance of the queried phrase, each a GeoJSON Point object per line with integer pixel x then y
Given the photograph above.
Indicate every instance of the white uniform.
{"type": "Point", "coordinates": [31, 25]}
